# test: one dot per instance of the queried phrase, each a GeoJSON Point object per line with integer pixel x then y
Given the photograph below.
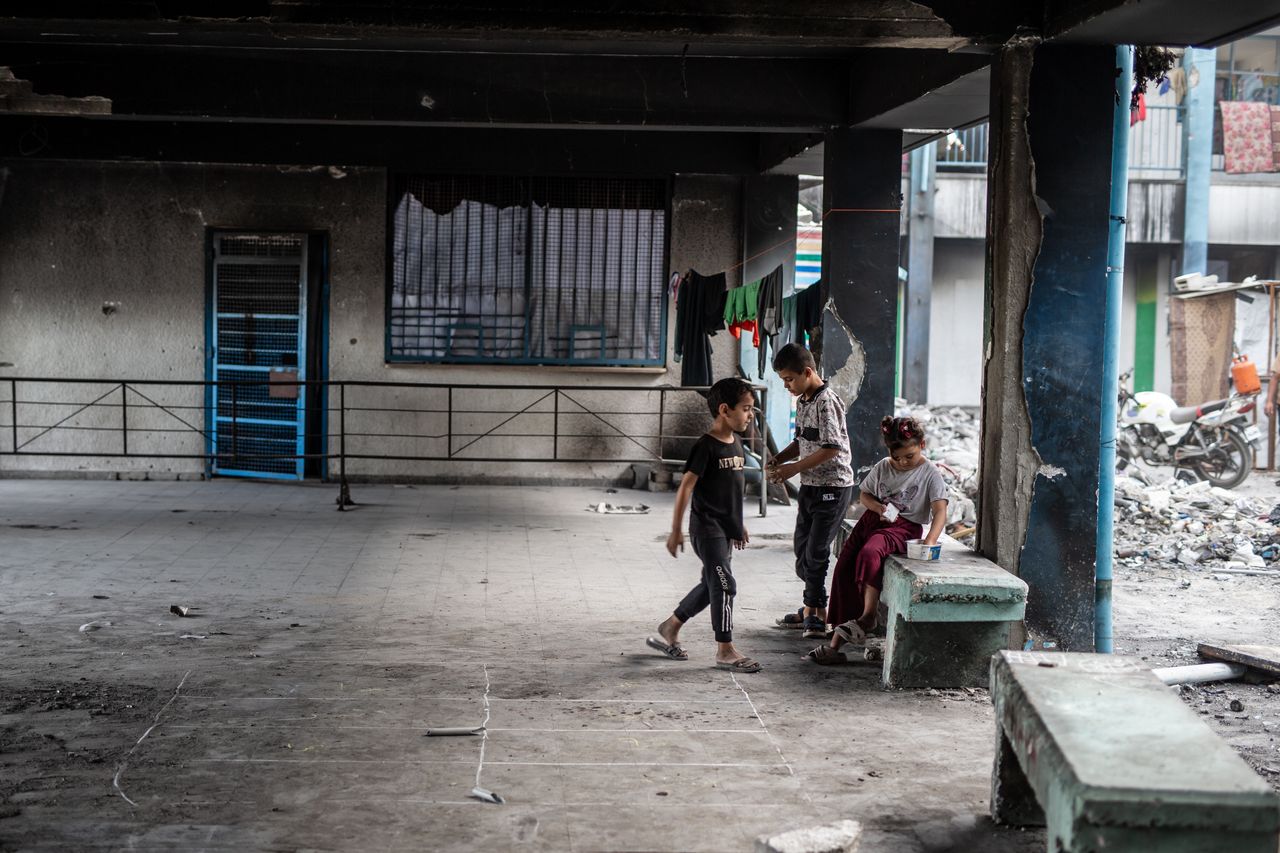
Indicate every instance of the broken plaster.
{"type": "Point", "coordinates": [847, 379]}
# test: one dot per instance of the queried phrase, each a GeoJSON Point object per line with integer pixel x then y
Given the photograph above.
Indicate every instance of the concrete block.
{"type": "Point", "coordinates": [841, 837]}
{"type": "Point", "coordinates": [947, 618]}
{"type": "Point", "coordinates": [1155, 777]}
{"type": "Point", "coordinates": [941, 654]}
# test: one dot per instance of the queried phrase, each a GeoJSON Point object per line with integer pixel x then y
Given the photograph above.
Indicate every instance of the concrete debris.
{"type": "Point", "coordinates": [841, 837]}
{"type": "Point", "coordinates": [952, 435]}
{"type": "Point", "coordinates": [1192, 525]}
{"type": "Point", "coordinates": [610, 509]}
{"type": "Point", "coordinates": [1170, 522]}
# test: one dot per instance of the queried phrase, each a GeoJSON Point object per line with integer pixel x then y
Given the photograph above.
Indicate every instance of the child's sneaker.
{"type": "Point", "coordinates": [814, 628]}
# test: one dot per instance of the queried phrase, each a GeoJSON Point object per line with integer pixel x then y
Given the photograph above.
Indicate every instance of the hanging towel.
{"type": "Point", "coordinates": [1178, 83]}
{"type": "Point", "coordinates": [1246, 137]}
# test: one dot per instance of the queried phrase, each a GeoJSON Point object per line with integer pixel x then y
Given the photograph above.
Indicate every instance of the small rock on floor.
{"type": "Point", "coordinates": [840, 837]}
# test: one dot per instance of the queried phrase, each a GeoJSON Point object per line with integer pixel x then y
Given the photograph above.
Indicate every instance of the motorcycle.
{"type": "Point", "coordinates": [1214, 440]}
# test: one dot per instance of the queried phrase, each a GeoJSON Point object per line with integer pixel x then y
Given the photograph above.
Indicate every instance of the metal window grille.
{"type": "Point", "coordinates": [528, 271]}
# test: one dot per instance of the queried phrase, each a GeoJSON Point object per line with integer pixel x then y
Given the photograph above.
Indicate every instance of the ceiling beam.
{"type": "Point", "coordinates": [815, 23]}
{"type": "Point", "coordinates": [413, 149]}
{"type": "Point", "coordinates": [769, 95]}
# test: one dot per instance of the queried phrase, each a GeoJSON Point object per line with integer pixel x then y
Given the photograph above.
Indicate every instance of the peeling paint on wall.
{"type": "Point", "coordinates": [846, 381]}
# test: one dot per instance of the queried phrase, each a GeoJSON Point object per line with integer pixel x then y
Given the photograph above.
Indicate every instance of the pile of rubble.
{"type": "Point", "coordinates": [1192, 524]}
{"type": "Point", "coordinates": [1170, 522]}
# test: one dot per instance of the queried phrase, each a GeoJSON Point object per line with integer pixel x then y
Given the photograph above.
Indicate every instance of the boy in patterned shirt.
{"type": "Point", "coordinates": [822, 459]}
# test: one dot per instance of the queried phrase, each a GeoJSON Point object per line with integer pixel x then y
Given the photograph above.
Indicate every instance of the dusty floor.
{"type": "Point", "coordinates": [288, 713]}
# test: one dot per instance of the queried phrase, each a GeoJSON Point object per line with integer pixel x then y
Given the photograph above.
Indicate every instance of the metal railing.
{"type": "Point", "coordinates": [372, 422]}
{"type": "Point", "coordinates": [964, 149]}
{"type": "Point", "coordinates": [1156, 147]}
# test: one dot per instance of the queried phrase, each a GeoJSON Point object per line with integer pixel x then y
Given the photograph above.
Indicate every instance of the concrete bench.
{"type": "Point", "coordinates": [1097, 749]}
{"type": "Point", "coordinates": [947, 618]}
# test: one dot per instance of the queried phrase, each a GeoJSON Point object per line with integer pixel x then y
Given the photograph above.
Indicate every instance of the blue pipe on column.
{"type": "Point", "coordinates": [1110, 351]}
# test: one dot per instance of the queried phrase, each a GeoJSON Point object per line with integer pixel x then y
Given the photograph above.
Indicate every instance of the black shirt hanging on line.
{"type": "Point", "coordinates": [717, 496]}
{"type": "Point", "coordinates": [699, 312]}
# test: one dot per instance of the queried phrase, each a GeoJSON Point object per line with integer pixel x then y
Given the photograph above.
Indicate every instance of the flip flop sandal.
{"type": "Point", "coordinates": [851, 632]}
{"type": "Point", "coordinates": [791, 620]}
{"type": "Point", "coordinates": [743, 665]}
{"type": "Point", "coordinates": [671, 650]}
{"type": "Point", "coordinates": [825, 656]}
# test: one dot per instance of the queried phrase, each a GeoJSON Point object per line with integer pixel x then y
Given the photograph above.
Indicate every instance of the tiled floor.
{"type": "Point", "coordinates": [289, 712]}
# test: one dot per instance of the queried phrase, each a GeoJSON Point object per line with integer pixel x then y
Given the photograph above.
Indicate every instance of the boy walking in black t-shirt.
{"type": "Point", "coordinates": [713, 482]}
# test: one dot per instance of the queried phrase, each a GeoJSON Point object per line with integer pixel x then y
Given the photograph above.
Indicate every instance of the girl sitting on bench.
{"type": "Point", "coordinates": [900, 494]}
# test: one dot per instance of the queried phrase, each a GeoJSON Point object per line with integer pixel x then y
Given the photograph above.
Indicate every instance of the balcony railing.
{"type": "Point", "coordinates": [1156, 144]}
{"type": "Point", "coordinates": [964, 150]}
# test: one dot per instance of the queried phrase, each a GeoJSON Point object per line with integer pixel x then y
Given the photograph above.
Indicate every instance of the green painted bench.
{"type": "Point", "coordinates": [1098, 750]}
{"type": "Point", "coordinates": [947, 618]}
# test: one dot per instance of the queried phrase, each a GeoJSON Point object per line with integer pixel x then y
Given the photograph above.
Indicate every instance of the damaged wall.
{"type": "Point", "coordinates": [103, 275]}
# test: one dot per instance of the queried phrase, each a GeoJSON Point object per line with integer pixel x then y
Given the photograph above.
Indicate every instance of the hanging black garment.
{"type": "Point", "coordinates": [809, 306]}
{"type": "Point", "coordinates": [768, 317]}
{"type": "Point", "coordinates": [699, 312]}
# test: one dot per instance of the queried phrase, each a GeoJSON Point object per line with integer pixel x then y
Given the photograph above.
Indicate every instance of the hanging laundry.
{"type": "Point", "coordinates": [1275, 138]}
{"type": "Point", "coordinates": [768, 318]}
{"type": "Point", "coordinates": [740, 310]}
{"type": "Point", "coordinates": [809, 305]}
{"type": "Point", "coordinates": [787, 331]}
{"type": "Point", "coordinates": [699, 313]}
{"type": "Point", "coordinates": [1246, 137]}
{"type": "Point", "coordinates": [1177, 81]}
{"type": "Point", "coordinates": [1139, 112]}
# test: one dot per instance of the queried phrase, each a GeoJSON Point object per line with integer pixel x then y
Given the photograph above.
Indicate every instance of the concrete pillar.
{"type": "Point", "coordinates": [862, 196]}
{"type": "Point", "coordinates": [923, 187]}
{"type": "Point", "coordinates": [1201, 68]}
{"type": "Point", "coordinates": [1048, 187]}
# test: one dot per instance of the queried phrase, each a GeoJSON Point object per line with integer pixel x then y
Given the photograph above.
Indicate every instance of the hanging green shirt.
{"type": "Point", "coordinates": [740, 303]}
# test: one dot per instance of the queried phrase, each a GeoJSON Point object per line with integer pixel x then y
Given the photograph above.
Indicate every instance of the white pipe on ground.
{"type": "Point", "coordinates": [1199, 673]}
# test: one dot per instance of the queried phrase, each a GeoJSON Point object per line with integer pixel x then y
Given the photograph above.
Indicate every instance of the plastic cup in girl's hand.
{"type": "Point", "coordinates": [890, 513]}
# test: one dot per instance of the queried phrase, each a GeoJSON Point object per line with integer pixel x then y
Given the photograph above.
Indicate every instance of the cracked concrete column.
{"type": "Point", "coordinates": [861, 197]}
{"type": "Point", "coordinates": [1048, 186]}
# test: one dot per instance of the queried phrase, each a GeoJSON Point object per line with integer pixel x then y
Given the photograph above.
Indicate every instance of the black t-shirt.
{"type": "Point", "coordinates": [717, 496]}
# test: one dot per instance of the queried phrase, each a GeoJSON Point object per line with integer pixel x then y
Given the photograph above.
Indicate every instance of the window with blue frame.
{"type": "Point", "coordinates": [503, 270]}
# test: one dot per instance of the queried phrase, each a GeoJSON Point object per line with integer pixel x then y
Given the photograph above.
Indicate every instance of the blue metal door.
{"type": "Point", "coordinates": [258, 331]}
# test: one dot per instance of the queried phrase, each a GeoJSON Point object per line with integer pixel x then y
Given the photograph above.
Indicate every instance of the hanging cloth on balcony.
{"type": "Point", "coordinates": [1247, 137]}
{"type": "Point", "coordinates": [1138, 113]}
